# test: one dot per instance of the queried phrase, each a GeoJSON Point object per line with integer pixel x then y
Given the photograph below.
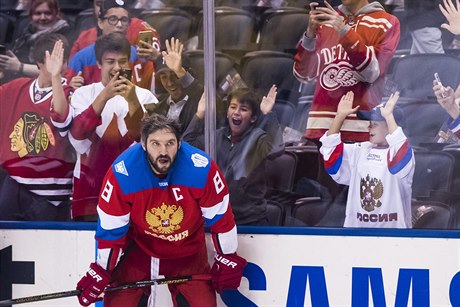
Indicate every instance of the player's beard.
{"type": "Point", "coordinates": [155, 165]}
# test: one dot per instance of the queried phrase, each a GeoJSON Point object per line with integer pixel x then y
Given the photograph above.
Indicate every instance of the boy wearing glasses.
{"type": "Point", "coordinates": [89, 36]}
{"type": "Point", "coordinates": [114, 18]}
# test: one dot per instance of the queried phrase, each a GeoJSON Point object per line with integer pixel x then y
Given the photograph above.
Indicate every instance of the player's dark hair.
{"type": "Point", "coordinates": [247, 97]}
{"type": "Point", "coordinates": [45, 42]}
{"type": "Point", "coordinates": [156, 122]}
{"type": "Point", "coordinates": [113, 42]}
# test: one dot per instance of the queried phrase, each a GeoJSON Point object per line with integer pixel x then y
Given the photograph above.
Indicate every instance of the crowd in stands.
{"type": "Point", "coordinates": [76, 79]}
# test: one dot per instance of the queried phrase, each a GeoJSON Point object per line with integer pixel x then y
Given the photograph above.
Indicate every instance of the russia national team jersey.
{"type": "Point", "coordinates": [356, 61]}
{"type": "Point", "coordinates": [380, 179]}
{"type": "Point", "coordinates": [165, 216]}
{"type": "Point", "coordinates": [35, 149]}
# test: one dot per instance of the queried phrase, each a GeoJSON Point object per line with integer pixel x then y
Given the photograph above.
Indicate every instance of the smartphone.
{"type": "Point", "coordinates": [146, 36]}
{"type": "Point", "coordinates": [321, 3]}
{"type": "Point", "coordinates": [436, 77]}
{"type": "Point", "coordinates": [2, 49]}
{"type": "Point", "coordinates": [127, 73]}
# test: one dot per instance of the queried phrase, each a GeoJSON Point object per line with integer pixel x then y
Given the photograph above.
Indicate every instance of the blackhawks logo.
{"type": "Point", "coordinates": [165, 219]}
{"type": "Point", "coordinates": [31, 135]}
{"type": "Point", "coordinates": [371, 190]}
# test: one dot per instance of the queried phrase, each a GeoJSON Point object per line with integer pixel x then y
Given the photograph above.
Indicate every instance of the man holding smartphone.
{"type": "Point", "coordinates": [114, 18]}
{"type": "Point", "coordinates": [345, 49]}
{"type": "Point", "coordinates": [107, 121]}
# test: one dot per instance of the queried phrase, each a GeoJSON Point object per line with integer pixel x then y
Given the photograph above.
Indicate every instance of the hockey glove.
{"type": "Point", "coordinates": [92, 284]}
{"type": "Point", "coordinates": [227, 271]}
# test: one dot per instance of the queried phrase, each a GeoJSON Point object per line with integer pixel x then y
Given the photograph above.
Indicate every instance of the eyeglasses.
{"type": "Point", "coordinates": [113, 20]}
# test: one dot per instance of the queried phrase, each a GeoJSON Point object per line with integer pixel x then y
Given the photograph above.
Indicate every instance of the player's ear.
{"type": "Point", "coordinates": [143, 145]}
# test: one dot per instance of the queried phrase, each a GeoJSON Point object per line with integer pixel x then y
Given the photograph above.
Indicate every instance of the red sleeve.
{"type": "Point", "coordinates": [85, 123]}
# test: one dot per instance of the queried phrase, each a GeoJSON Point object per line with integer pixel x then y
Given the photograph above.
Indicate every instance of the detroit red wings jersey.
{"type": "Point", "coordinates": [356, 62]}
{"type": "Point", "coordinates": [380, 179]}
{"type": "Point", "coordinates": [165, 217]}
{"type": "Point", "coordinates": [35, 149]}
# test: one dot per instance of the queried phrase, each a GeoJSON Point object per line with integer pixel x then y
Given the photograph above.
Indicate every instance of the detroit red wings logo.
{"type": "Point", "coordinates": [337, 75]}
{"type": "Point", "coordinates": [371, 190]}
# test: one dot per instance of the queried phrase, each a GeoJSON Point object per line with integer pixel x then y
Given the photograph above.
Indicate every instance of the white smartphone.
{"type": "Point", "coordinates": [436, 77]}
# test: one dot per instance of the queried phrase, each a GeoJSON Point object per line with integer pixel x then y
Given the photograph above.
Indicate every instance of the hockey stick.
{"type": "Point", "coordinates": [137, 284]}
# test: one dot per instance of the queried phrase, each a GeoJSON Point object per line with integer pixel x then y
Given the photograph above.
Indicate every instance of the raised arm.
{"type": "Point", "coordinates": [452, 14]}
{"type": "Point", "coordinates": [387, 112]}
{"type": "Point", "coordinates": [344, 109]}
{"type": "Point", "coordinates": [53, 64]}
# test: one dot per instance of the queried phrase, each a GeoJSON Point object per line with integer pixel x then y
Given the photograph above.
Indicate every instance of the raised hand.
{"type": "Point", "coordinates": [345, 106]}
{"type": "Point", "coordinates": [55, 60]}
{"type": "Point", "coordinates": [445, 96]}
{"type": "Point", "coordinates": [452, 14]}
{"type": "Point", "coordinates": [387, 109]}
{"type": "Point", "coordinates": [266, 106]}
{"type": "Point", "coordinates": [146, 50]}
{"type": "Point", "coordinates": [172, 56]}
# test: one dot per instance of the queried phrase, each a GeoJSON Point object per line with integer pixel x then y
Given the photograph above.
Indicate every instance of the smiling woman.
{"type": "Point", "coordinates": [44, 18]}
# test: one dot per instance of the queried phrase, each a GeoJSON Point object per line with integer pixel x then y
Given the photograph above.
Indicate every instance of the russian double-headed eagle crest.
{"type": "Point", "coordinates": [371, 190]}
{"type": "Point", "coordinates": [165, 219]}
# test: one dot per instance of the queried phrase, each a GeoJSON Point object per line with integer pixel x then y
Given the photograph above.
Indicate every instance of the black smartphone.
{"type": "Point", "coordinates": [2, 49]}
{"type": "Point", "coordinates": [321, 3]}
{"type": "Point", "coordinates": [127, 73]}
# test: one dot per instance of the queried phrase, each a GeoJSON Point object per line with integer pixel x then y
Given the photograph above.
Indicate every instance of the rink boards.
{"type": "Point", "coordinates": [287, 266]}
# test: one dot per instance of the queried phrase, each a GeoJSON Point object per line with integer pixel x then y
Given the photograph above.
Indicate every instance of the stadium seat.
{"type": "Point", "coordinates": [433, 174]}
{"type": "Point", "coordinates": [285, 111]}
{"type": "Point", "coordinates": [423, 118]}
{"type": "Point", "coordinates": [282, 28]}
{"type": "Point", "coordinates": [431, 215]}
{"type": "Point", "coordinates": [280, 172]}
{"type": "Point", "coordinates": [170, 22]}
{"type": "Point", "coordinates": [413, 74]}
{"type": "Point", "coordinates": [275, 213]}
{"type": "Point", "coordinates": [85, 19]}
{"type": "Point", "coordinates": [309, 211]}
{"type": "Point", "coordinates": [234, 30]}
{"type": "Point", "coordinates": [6, 28]}
{"type": "Point", "coordinates": [261, 69]}
{"type": "Point", "coordinates": [74, 6]}
{"type": "Point", "coordinates": [225, 64]}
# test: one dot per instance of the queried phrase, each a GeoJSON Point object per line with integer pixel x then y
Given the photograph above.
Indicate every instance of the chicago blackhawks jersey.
{"type": "Point", "coordinates": [164, 216]}
{"type": "Point", "coordinates": [380, 179]}
{"type": "Point", "coordinates": [35, 149]}
{"type": "Point", "coordinates": [356, 61]}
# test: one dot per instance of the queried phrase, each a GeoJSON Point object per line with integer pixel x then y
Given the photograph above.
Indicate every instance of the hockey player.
{"type": "Point", "coordinates": [35, 152]}
{"type": "Point", "coordinates": [347, 49]}
{"type": "Point", "coordinates": [107, 121]}
{"type": "Point", "coordinates": [379, 172]}
{"type": "Point", "coordinates": [157, 196]}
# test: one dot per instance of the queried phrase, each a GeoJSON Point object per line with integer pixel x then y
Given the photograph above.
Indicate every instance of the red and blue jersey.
{"type": "Point", "coordinates": [380, 179]}
{"type": "Point", "coordinates": [164, 216]}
